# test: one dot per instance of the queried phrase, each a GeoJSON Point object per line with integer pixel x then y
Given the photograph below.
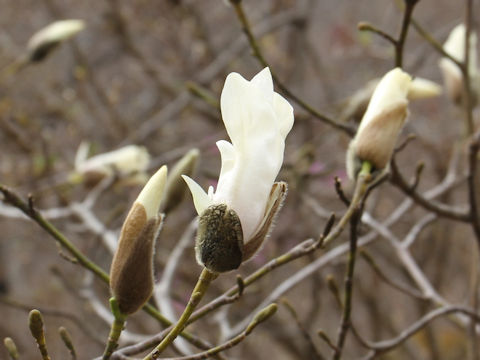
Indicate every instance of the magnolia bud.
{"type": "Point", "coordinates": [176, 188]}
{"type": "Point", "coordinates": [131, 273]}
{"type": "Point", "coordinates": [11, 348]}
{"type": "Point", "coordinates": [35, 323]}
{"type": "Point", "coordinates": [130, 161]}
{"type": "Point", "coordinates": [219, 242]}
{"type": "Point", "coordinates": [452, 74]}
{"type": "Point", "coordinates": [381, 124]}
{"type": "Point", "coordinates": [44, 41]}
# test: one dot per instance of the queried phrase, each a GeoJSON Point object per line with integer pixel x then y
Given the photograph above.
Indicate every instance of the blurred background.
{"type": "Point", "coordinates": [133, 77]}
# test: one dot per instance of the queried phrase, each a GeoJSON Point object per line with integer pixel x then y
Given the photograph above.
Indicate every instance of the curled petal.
{"type": "Point", "coordinates": [284, 112]}
{"type": "Point", "coordinates": [200, 198]}
{"type": "Point", "coordinates": [227, 153]}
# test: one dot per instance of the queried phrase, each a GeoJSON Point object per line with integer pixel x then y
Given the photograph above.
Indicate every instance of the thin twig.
{"type": "Point", "coordinates": [400, 43]}
{"type": "Point", "coordinates": [237, 5]}
{"type": "Point", "coordinates": [386, 345]}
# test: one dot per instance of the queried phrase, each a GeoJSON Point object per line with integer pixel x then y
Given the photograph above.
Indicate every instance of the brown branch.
{"type": "Point", "coordinates": [237, 5]}
{"type": "Point", "coordinates": [386, 345]}
{"type": "Point", "coordinates": [440, 209]}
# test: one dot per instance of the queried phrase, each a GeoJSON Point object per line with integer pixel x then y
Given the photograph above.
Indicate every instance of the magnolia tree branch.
{"type": "Point", "coordinates": [29, 210]}
{"type": "Point", "coordinates": [237, 5]}
{"type": "Point", "coordinates": [381, 347]}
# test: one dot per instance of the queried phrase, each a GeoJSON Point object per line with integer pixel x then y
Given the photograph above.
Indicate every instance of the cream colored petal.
{"type": "Point", "coordinates": [284, 112]}
{"type": "Point", "coordinates": [152, 193]}
{"type": "Point", "coordinates": [452, 78]}
{"type": "Point", "coordinates": [227, 153]}
{"type": "Point", "coordinates": [55, 32]}
{"type": "Point", "coordinates": [455, 46]}
{"type": "Point", "coordinates": [200, 198]}
{"type": "Point", "coordinates": [389, 93]}
{"type": "Point", "coordinates": [422, 88]}
{"type": "Point", "coordinates": [235, 94]}
{"type": "Point", "coordinates": [126, 160]}
{"type": "Point", "coordinates": [263, 81]}
{"type": "Point", "coordinates": [81, 155]}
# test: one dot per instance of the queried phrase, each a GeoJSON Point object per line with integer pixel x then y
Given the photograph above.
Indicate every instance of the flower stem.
{"type": "Point", "coordinates": [115, 331]}
{"type": "Point", "coordinates": [203, 282]}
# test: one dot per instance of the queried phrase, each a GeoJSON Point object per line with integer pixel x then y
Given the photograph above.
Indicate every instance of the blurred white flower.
{"type": "Point", "coordinates": [381, 124]}
{"type": "Point", "coordinates": [128, 160]}
{"type": "Point", "coordinates": [421, 88]}
{"type": "Point", "coordinates": [452, 75]}
{"type": "Point", "coordinates": [257, 120]}
{"type": "Point", "coordinates": [355, 106]}
{"type": "Point", "coordinates": [46, 39]}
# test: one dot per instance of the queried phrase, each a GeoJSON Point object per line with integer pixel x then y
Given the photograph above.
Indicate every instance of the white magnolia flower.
{"type": "Point", "coordinates": [381, 124]}
{"type": "Point", "coordinates": [257, 120]}
{"type": "Point", "coordinates": [128, 160]}
{"type": "Point", "coordinates": [44, 40]}
{"type": "Point", "coordinates": [452, 75]}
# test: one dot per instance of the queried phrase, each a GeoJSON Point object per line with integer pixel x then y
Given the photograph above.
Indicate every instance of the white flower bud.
{"type": "Point", "coordinates": [126, 161]}
{"type": "Point", "coordinates": [46, 39]}
{"type": "Point", "coordinates": [452, 75]}
{"type": "Point", "coordinates": [356, 105]}
{"type": "Point", "coordinates": [131, 272]}
{"type": "Point", "coordinates": [381, 124]}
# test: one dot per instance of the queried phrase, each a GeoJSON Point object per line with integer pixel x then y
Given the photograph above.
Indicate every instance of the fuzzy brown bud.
{"type": "Point", "coordinates": [219, 242]}
{"type": "Point", "coordinates": [131, 273]}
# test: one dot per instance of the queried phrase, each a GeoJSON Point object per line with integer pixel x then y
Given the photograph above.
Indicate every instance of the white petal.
{"type": "Point", "coordinates": [455, 46]}
{"type": "Point", "coordinates": [235, 94]}
{"type": "Point", "coordinates": [81, 155]}
{"type": "Point", "coordinates": [55, 32]}
{"type": "Point", "coordinates": [126, 160]}
{"type": "Point", "coordinates": [390, 92]}
{"type": "Point", "coordinates": [227, 153]}
{"type": "Point", "coordinates": [152, 193]}
{"type": "Point", "coordinates": [423, 88]}
{"type": "Point", "coordinates": [200, 198]}
{"type": "Point", "coordinates": [284, 112]}
{"type": "Point", "coordinates": [263, 81]}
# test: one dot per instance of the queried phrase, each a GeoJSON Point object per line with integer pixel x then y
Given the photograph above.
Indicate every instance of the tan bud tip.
{"type": "Point", "coordinates": [261, 316]}
{"type": "Point", "coordinates": [362, 26]}
{"type": "Point", "coordinates": [219, 241]}
{"type": "Point", "coordinates": [35, 322]}
{"type": "Point", "coordinates": [176, 188]}
{"type": "Point", "coordinates": [66, 338]}
{"type": "Point", "coordinates": [151, 195]}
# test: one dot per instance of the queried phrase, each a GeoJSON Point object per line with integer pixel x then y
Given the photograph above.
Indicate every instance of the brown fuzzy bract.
{"type": "Point", "coordinates": [219, 242]}
{"type": "Point", "coordinates": [131, 273]}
